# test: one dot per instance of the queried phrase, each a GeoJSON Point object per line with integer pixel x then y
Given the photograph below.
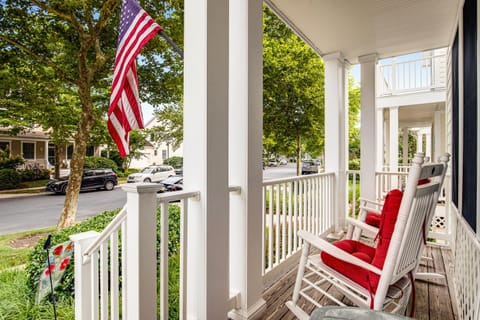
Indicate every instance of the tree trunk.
{"type": "Point", "coordinates": [67, 218]}
{"type": "Point", "coordinates": [299, 154]}
{"type": "Point", "coordinates": [57, 161]}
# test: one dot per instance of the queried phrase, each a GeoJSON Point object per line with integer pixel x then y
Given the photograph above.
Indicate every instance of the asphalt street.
{"type": "Point", "coordinates": [26, 212]}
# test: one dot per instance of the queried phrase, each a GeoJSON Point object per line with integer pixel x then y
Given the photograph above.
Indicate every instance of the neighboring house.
{"type": "Point", "coordinates": [35, 146]}
{"type": "Point", "coordinates": [155, 152]}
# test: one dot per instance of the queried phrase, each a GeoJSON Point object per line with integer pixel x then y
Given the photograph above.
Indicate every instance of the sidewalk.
{"type": "Point", "coordinates": [5, 194]}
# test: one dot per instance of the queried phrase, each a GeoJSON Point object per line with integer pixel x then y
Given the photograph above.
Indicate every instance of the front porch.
{"type": "Point", "coordinates": [434, 299]}
{"type": "Point", "coordinates": [289, 205]}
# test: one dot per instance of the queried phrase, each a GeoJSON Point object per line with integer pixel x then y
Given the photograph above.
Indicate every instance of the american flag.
{"type": "Point", "coordinates": [125, 113]}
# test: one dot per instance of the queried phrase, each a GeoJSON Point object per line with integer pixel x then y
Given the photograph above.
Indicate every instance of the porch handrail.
{"type": "Point", "coordinates": [113, 226]}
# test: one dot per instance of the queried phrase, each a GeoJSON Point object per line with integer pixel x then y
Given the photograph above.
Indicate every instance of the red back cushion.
{"type": "Point", "coordinates": [373, 219]}
{"type": "Point", "coordinates": [387, 225]}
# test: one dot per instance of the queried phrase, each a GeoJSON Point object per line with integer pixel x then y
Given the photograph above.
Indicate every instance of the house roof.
{"type": "Point", "coordinates": [355, 28]}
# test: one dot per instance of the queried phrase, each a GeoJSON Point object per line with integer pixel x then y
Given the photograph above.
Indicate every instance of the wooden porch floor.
{"type": "Point", "coordinates": [434, 299]}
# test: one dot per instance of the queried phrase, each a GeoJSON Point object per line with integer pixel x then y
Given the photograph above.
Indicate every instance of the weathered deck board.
{"type": "Point", "coordinates": [433, 298]}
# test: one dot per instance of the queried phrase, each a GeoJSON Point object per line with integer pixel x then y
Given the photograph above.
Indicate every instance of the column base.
{"type": "Point", "coordinates": [256, 311]}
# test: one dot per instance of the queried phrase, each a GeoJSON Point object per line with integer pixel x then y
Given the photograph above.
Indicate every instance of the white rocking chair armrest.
{"type": "Point", "coordinates": [371, 231]}
{"type": "Point", "coordinates": [370, 209]}
{"type": "Point", "coordinates": [336, 252]}
{"type": "Point", "coordinates": [376, 203]}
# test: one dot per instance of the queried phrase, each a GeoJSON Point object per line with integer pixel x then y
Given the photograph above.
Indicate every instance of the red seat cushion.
{"type": "Point", "coordinates": [357, 274]}
{"type": "Point", "coordinates": [373, 219]}
{"type": "Point", "coordinates": [375, 256]}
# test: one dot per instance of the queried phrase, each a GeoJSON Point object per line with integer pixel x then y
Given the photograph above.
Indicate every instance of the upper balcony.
{"type": "Point", "coordinates": [413, 79]}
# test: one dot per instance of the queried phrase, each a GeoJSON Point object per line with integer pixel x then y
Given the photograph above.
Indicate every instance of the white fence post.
{"type": "Point", "coordinates": [83, 275]}
{"type": "Point", "coordinates": [141, 273]}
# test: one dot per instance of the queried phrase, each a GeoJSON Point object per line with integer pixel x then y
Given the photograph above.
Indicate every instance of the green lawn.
{"type": "Point", "coordinates": [15, 248]}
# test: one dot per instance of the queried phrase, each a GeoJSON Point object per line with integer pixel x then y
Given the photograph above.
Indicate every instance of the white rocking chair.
{"type": "Point", "coordinates": [367, 223]}
{"type": "Point", "coordinates": [376, 278]}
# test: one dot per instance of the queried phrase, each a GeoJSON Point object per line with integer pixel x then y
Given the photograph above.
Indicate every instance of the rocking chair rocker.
{"type": "Point", "coordinates": [379, 278]}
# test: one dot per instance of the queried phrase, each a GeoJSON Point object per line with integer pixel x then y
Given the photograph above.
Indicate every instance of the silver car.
{"type": "Point", "coordinates": [152, 174]}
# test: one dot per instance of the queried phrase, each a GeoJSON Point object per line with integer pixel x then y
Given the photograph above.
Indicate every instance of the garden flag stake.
{"type": "Point", "coordinates": [124, 112]}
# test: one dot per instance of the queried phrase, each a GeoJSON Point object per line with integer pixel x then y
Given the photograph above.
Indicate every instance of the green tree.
{"type": "Point", "coordinates": [353, 122]}
{"type": "Point", "coordinates": [74, 42]}
{"type": "Point", "coordinates": [170, 127]}
{"type": "Point", "coordinates": [293, 90]}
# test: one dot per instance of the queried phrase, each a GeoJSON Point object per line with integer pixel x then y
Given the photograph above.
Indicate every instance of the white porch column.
{"type": "Point", "coordinates": [419, 141]}
{"type": "Point", "coordinates": [437, 135]}
{"type": "Point", "coordinates": [336, 128]}
{"type": "Point", "coordinates": [206, 157]}
{"type": "Point", "coordinates": [367, 126]}
{"type": "Point", "coordinates": [428, 143]}
{"type": "Point", "coordinates": [405, 146]}
{"type": "Point", "coordinates": [245, 157]}
{"type": "Point", "coordinates": [393, 134]}
{"type": "Point", "coordinates": [141, 251]}
{"type": "Point", "coordinates": [380, 140]}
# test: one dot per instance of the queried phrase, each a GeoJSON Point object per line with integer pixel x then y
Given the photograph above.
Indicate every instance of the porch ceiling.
{"type": "Point", "coordinates": [419, 115]}
{"type": "Point", "coordinates": [356, 28]}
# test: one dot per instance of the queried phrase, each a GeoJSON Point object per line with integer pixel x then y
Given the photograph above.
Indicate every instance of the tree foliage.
{"type": "Point", "coordinates": [57, 59]}
{"type": "Point", "coordinates": [293, 91]}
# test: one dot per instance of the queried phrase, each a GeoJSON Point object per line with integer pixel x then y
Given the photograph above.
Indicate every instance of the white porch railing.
{"type": "Point", "coordinates": [466, 269]}
{"type": "Point", "coordinates": [101, 261]}
{"type": "Point", "coordinates": [440, 233]}
{"type": "Point", "coordinates": [290, 205]}
{"type": "Point", "coordinates": [411, 76]}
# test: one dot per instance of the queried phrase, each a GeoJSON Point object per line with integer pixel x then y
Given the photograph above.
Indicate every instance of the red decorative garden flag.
{"type": "Point", "coordinates": [124, 113]}
{"type": "Point", "coordinates": [60, 257]}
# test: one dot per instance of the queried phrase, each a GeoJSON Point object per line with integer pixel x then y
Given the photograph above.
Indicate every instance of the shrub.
{"type": "Point", "coordinates": [100, 162]}
{"type": "Point", "coordinates": [176, 162]}
{"type": "Point", "coordinates": [65, 289]}
{"type": "Point", "coordinates": [38, 257]}
{"type": "Point", "coordinates": [34, 174]}
{"type": "Point", "coordinates": [354, 164]}
{"type": "Point", "coordinates": [11, 163]}
{"type": "Point", "coordinates": [9, 178]}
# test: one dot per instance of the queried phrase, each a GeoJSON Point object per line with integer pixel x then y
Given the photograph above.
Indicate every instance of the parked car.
{"type": "Point", "coordinates": [173, 183]}
{"type": "Point", "coordinates": [283, 162]}
{"type": "Point", "coordinates": [309, 167]}
{"type": "Point", "coordinates": [272, 163]}
{"type": "Point", "coordinates": [152, 174]}
{"type": "Point", "coordinates": [92, 179]}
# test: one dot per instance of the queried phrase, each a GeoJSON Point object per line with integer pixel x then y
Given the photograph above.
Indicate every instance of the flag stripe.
{"type": "Point", "coordinates": [124, 113]}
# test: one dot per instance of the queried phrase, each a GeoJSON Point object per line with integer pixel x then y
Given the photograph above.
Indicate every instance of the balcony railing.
{"type": "Point", "coordinates": [416, 75]}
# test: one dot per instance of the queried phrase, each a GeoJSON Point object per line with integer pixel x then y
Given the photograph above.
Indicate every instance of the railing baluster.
{"type": "Point", "coordinates": [114, 293]}
{"type": "Point", "coordinates": [277, 224]}
{"type": "Point", "coordinates": [104, 281]}
{"type": "Point", "coordinates": [284, 220]}
{"type": "Point", "coordinates": [94, 279]}
{"type": "Point", "coordinates": [164, 261]}
{"type": "Point", "coordinates": [270, 228]}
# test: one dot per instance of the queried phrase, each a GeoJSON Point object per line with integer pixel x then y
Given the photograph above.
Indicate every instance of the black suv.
{"type": "Point", "coordinates": [92, 179]}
